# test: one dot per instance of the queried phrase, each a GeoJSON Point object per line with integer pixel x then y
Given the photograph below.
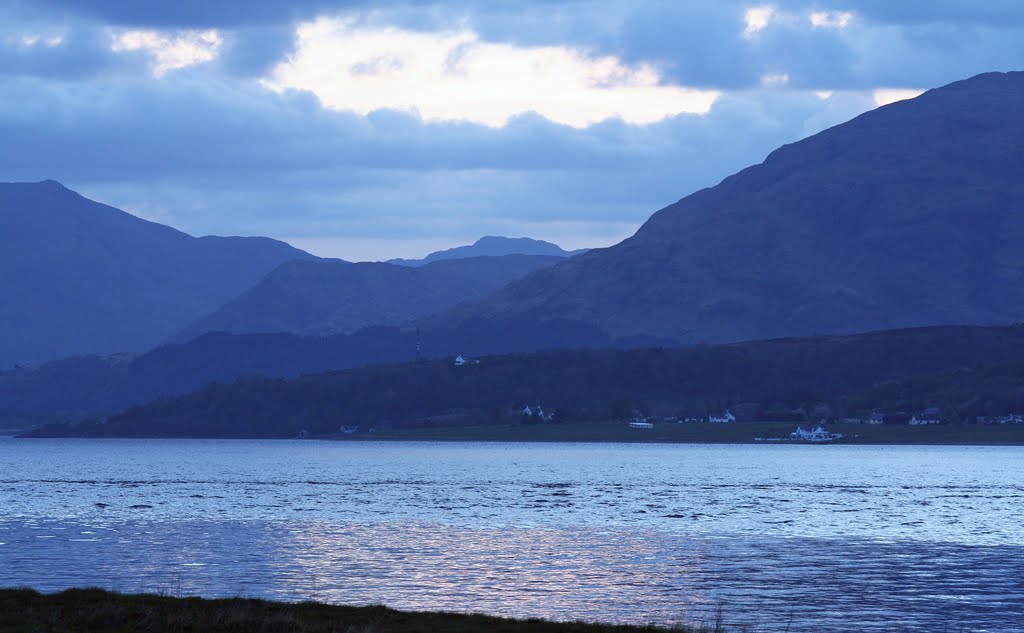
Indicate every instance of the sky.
{"type": "Point", "coordinates": [369, 130]}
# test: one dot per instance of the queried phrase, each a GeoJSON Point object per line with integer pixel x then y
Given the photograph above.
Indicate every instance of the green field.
{"type": "Point", "coordinates": [740, 432]}
{"type": "Point", "coordinates": [94, 610]}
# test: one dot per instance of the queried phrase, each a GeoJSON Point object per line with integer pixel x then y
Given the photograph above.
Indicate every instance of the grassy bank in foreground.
{"type": "Point", "coordinates": [25, 611]}
{"type": "Point", "coordinates": [736, 433]}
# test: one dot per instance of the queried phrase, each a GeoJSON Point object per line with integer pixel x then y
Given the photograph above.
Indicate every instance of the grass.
{"type": "Point", "coordinates": [953, 434]}
{"type": "Point", "coordinates": [96, 610]}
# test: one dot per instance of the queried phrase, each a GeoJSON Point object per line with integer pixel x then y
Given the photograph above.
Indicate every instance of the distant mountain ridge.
{"type": "Point", "coordinates": [82, 277]}
{"type": "Point", "coordinates": [968, 371]}
{"type": "Point", "coordinates": [325, 297]}
{"type": "Point", "coordinates": [493, 246]}
{"type": "Point", "coordinates": [105, 384]}
{"type": "Point", "coordinates": [908, 215]}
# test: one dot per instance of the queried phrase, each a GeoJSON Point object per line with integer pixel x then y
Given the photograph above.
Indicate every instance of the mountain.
{"type": "Point", "coordinates": [325, 297]}
{"type": "Point", "coordinates": [967, 371]}
{"type": "Point", "coordinates": [908, 215]}
{"type": "Point", "coordinates": [82, 277]}
{"type": "Point", "coordinates": [493, 246]}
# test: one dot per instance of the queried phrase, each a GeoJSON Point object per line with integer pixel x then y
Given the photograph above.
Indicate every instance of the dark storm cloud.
{"type": "Point", "coordinates": [253, 51]}
{"type": "Point", "coordinates": [194, 13]}
{"type": "Point", "coordinates": [215, 159]}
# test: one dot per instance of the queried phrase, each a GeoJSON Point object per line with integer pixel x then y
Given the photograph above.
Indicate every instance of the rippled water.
{"type": "Point", "coordinates": [797, 538]}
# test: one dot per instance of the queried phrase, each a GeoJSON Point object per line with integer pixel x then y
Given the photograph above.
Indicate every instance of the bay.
{"type": "Point", "coordinates": [793, 537]}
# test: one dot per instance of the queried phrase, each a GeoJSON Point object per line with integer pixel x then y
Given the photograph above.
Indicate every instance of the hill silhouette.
{"type": "Point", "coordinates": [966, 371]}
{"type": "Point", "coordinates": [908, 215]}
{"type": "Point", "coordinates": [324, 297]}
{"type": "Point", "coordinates": [82, 277]}
{"type": "Point", "coordinates": [492, 246]}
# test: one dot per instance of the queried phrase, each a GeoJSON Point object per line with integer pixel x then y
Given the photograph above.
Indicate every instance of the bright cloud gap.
{"type": "Point", "coordinates": [170, 52]}
{"type": "Point", "coordinates": [449, 76]}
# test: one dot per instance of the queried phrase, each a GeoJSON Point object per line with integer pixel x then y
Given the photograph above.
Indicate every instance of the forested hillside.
{"type": "Point", "coordinates": [966, 371]}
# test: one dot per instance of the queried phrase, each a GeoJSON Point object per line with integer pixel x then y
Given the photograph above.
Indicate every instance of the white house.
{"type": "Point", "coordinates": [641, 425]}
{"type": "Point", "coordinates": [460, 361]}
{"type": "Point", "coordinates": [1013, 418]}
{"type": "Point", "coordinates": [723, 419]}
{"type": "Point", "coordinates": [817, 434]}
{"type": "Point", "coordinates": [931, 415]}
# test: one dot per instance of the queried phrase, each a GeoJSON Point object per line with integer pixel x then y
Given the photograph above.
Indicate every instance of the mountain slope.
{"type": "Point", "coordinates": [912, 214]}
{"type": "Point", "coordinates": [968, 371]}
{"type": "Point", "coordinates": [83, 277]}
{"type": "Point", "coordinates": [492, 246]}
{"type": "Point", "coordinates": [329, 297]}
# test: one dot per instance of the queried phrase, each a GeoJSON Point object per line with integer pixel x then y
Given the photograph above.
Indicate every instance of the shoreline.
{"type": "Point", "coordinates": [101, 610]}
{"type": "Point", "coordinates": [664, 433]}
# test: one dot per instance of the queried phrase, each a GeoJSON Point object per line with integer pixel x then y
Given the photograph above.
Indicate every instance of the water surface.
{"type": "Point", "coordinates": [798, 538]}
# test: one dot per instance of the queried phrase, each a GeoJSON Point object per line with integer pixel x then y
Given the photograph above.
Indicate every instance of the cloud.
{"type": "Point", "coordinates": [55, 51]}
{"type": "Point", "coordinates": [756, 19]}
{"type": "Point", "coordinates": [170, 52]}
{"type": "Point", "coordinates": [570, 120]}
{"type": "Point", "coordinates": [454, 75]}
{"type": "Point", "coordinates": [199, 14]}
{"type": "Point", "coordinates": [214, 157]}
{"type": "Point", "coordinates": [712, 46]}
{"type": "Point", "coordinates": [253, 51]}
{"type": "Point", "coordinates": [885, 96]}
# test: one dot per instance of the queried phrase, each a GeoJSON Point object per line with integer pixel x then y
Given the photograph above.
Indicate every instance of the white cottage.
{"type": "Point", "coordinates": [817, 434]}
{"type": "Point", "coordinates": [723, 419]}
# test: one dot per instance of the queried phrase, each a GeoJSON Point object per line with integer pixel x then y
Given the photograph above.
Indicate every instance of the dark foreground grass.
{"type": "Point", "coordinates": [89, 610]}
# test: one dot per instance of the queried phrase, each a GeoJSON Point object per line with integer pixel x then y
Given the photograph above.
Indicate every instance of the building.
{"type": "Point", "coordinates": [817, 434]}
{"type": "Point", "coordinates": [723, 419]}
{"type": "Point", "coordinates": [931, 415]}
{"type": "Point", "coordinates": [640, 425]}
{"type": "Point", "coordinates": [1013, 418]}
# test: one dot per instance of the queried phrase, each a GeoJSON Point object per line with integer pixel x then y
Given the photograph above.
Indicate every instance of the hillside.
{"type": "Point", "coordinates": [82, 277]}
{"type": "Point", "coordinates": [908, 215]}
{"type": "Point", "coordinates": [492, 246]}
{"type": "Point", "coordinates": [967, 371]}
{"type": "Point", "coordinates": [74, 387]}
{"type": "Point", "coordinates": [325, 297]}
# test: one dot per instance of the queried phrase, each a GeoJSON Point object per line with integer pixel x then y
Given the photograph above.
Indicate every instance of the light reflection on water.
{"type": "Point", "coordinates": [797, 538]}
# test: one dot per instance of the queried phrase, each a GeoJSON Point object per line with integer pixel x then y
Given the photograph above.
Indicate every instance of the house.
{"type": "Point", "coordinates": [636, 424]}
{"type": "Point", "coordinates": [461, 361]}
{"type": "Point", "coordinates": [538, 412]}
{"type": "Point", "coordinates": [723, 419]}
{"type": "Point", "coordinates": [349, 429]}
{"type": "Point", "coordinates": [1012, 418]}
{"type": "Point", "coordinates": [876, 418]}
{"type": "Point", "coordinates": [931, 415]}
{"type": "Point", "coordinates": [817, 434]}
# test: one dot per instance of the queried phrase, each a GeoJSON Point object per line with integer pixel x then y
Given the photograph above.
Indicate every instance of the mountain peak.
{"type": "Point", "coordinates": [492, 246]}
{"type": "Point", "coordinates": [82, 277]}
{"type": "Point", "coordinates": [908, 215]}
